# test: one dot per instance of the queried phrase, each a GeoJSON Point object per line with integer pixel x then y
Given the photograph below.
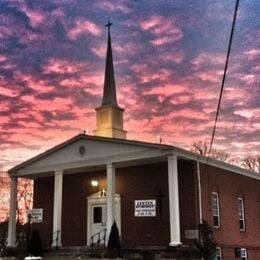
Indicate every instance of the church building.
{"type": "Point", "coordinates": [157, 194]}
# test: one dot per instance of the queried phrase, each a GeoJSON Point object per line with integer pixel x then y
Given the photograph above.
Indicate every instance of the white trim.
{"type": "Point", "coordinates": [97, 199]}
{"type": "Point", "coordinates": [174, 210]}
{"type": "Point", "coordinates": [218, 208]}
{"type": "Point", "coordinates": [218, 253]}
{"type": "Point", "coordinates": [150, 151]}
{"type": "Point", "coordinates": [111, 188]}
{"type": "Point", "coordinates": [99, 161]}
{"type": "Point", "coordinates": [242, 209]}
{"type": "Point", "coordinates": [57, 209]}
{"type": "Point", "coordinates": [245, 253]}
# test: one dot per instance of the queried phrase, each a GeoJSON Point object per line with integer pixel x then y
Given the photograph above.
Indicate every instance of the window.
{"type": "Point", "coordinates": [215, 210]}
{"type": "Point", "coordinates": [97, 216]}
{"type": "Point", "coordinates": [243, 254]}
{"type": "Point", "coordinates": [241, 214]}
{"type": "Point", "coordinates": [218, 255]}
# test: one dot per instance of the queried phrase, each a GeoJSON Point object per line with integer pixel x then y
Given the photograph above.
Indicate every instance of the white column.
{"type": "Point", "coordinates": [57, 209]}
{"type": "Point", "coordinates": [12, 215]}
{"type": "Point", "coordinates": [174, 201]}
{"type": "Point", "coordinates": [110, 196]}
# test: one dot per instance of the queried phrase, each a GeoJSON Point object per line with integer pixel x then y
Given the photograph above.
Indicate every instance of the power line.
{"type": "Point", "coordinates": [224, 76]}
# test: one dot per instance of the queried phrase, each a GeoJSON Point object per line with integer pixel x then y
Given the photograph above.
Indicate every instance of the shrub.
{"type": "Point", "coordinates": [35, 244]}
{"type": "Point", "coordinates": [205, 245]}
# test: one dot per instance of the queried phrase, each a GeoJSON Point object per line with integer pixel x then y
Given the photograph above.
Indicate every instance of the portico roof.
{"type": "Point", "coordinates": [85, 152]}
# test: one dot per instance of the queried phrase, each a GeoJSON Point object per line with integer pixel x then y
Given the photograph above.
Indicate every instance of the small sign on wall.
{"type": "Point", "coordinates": [36, 215]}
{"type": "Point", "coordinates": [145, 208]}
{"type": "Point", "coordinates": [191, 234]}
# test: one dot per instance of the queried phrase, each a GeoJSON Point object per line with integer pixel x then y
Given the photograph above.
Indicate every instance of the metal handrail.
{"type": "Point", "coordinates": [56, 239]}
{"type": "Point", "coordinates": [101, 236]}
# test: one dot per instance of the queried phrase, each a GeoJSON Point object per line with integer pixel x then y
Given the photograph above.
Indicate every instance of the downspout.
{"type": "Point", "coordinates": [199, 190]}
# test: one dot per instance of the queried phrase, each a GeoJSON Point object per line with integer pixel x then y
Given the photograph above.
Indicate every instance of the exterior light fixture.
{"type": "Point", "coordinates": [94, 183]}
{"type": "Point", "coordinates": [103, 193]}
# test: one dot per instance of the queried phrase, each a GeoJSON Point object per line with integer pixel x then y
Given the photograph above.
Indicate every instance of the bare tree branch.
{"type": "Point", "coordinates": [201, 147]}
{"type": "Point", "coordinates": [251, 163]}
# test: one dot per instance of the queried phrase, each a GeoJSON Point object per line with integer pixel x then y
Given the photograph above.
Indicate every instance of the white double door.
{"type": "Point", "coordinates": [97, 218]}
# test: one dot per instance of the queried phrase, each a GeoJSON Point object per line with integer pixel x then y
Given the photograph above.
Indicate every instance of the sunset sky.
{"type": "Point", "coordinates": [169, 59]}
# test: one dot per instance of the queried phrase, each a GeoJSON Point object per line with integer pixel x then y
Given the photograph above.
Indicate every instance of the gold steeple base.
{"type": "Point", "coordinates": [110, 122]}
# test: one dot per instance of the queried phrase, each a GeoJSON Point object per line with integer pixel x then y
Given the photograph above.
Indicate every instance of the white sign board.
{"type": "Point", "coordinates": [36, 215]}
{"type": "Point", "coordinates": [191, 234]}
{"type": "Point", "coordinates": [145, 208]}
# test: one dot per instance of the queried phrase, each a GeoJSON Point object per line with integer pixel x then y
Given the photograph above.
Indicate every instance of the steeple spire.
{"type": "Point", "coordinates": [109, 94]}
{"type": "Point", "coordinates": [110, 117]}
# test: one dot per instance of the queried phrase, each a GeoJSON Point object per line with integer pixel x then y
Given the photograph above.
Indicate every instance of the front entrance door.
{"type": "Point", "coordinates": [97, 217]}
{"type": "Point", "coordinates": [99, 221]}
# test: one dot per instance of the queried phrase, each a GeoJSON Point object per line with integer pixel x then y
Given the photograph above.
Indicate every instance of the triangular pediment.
{"type": "Point", "coordinates": [100, 195]}
{"type": "Point", "coordinates": [83, 150]}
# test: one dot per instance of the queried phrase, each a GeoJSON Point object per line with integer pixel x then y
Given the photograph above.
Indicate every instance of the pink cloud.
{"type": "Point", "coordinates": [37, 84]}
{"type": "Point", "coordinates": [100, 50]}
{"type": "Point", "coordinates": [252, 54]}
{"type": "Point", "coordinates": [84, 27]}
{"type": "Point", "coordinates": [36, 17]}
{"type": "Point", "coordinates": [61, 66]}
{"type": "Point", "coordinates": [30, 124]}
{"type": "Point", "coordinates": [4, 106]}
{"type": "Point", "coordinates": [4, 120]}
{"type": "Point", "coordinates": [248, 112]}
{"type": "Point", "coordinates": [80, 120]}
{"type": "Point", "coordinates": [256, 69]}
{"type": "Point", "coordinates": [56, 104]}
{"type": "Point", "coordinates": [108, 6]}
{"type": "Point", "coordinates": [89, 81]}
{"type": "Point", "coordinates": [163, 29]}
{"type": "Point", "coordinates": [209, 75]}
{"type": "Point", "coordinates": [161, 41]}
{"type": "Point", "coordinates": [209, 59]}
{"type": "Point", "coordinates": [8, 92]}
{"type": "Point", "coordinates": [9, 28]}
{"type": "Point", "coordinates": [249, 79]}
{"type": "Point", "coordinates": [146, 74]}
{"type": "Point", "coordinates": [181, 99]}
{"type": "Point", "coordinates": [166, 89]}
{"type": "Point", "coordinates": [188, 113]}
{"type": "Point", "coordinates": [176, 57]}
{"type": "Point", "coordinates": [3, 58]}
{"type": "Point", "coordinates": [233, 92]}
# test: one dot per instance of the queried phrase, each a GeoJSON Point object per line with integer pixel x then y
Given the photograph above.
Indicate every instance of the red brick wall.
{"type": "Point", "coordinates": [145, 182]}
{"type": "Point", "coordinates": [43, 198]}
{"type": "Point", "coordinates": [189, 215]}
{"type": "Point", "coordinates": [230, 186]}
{"type": "Point", "coordinates": [76, 189]}
{"type": "Point", "coordinates": [141, 183]}
{"type": "Point", "coordinates": [132, 183]}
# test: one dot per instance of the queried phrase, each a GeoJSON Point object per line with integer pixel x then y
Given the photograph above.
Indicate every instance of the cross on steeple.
{"type": "Point", "coordinates": [109, 24]}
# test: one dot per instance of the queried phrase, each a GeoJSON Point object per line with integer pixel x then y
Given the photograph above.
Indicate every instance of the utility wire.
{"type": "Point", "coordinates": [224, 76]}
